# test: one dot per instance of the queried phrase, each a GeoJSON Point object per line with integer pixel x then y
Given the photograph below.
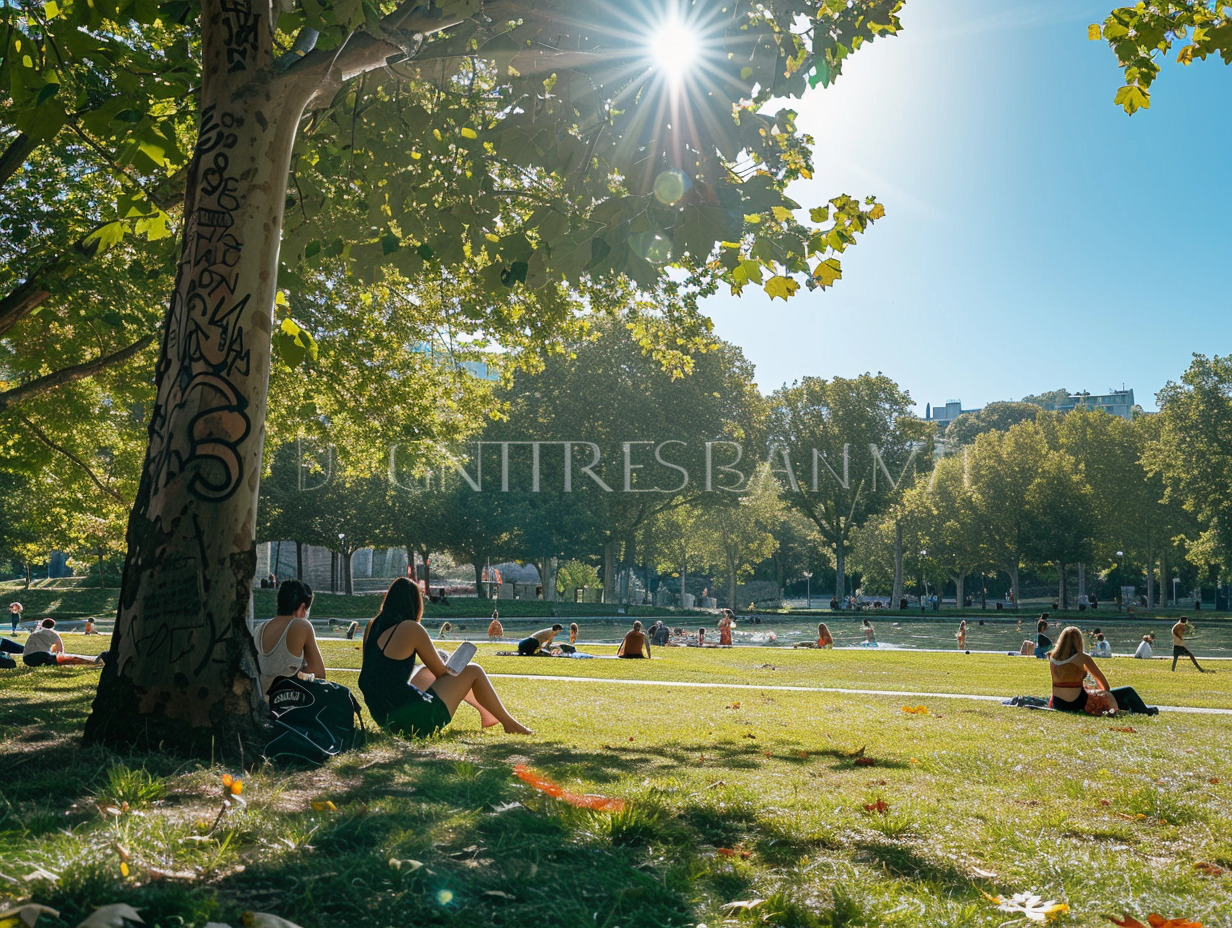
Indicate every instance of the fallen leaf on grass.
{"type": "Point", "coordinates": [749, 734]}
{"type": "Point", "coordinates": [1105, 802]}
{"type": "Point", "coordinates": [745, 904]}
{"type": "Point", "coordinates": [865, 761]}
{"type": "Point", "coordinates": [112, 916]}
{"type": "Point", "coordinates": [878, 806]}
{"type": "Point", "coordinates": [27, 914]}
{"type": "Point", "coordinates": [801, 754]}
{"type": "Point", "coordinates": [1128, 729]}
{"type": "Point", "coordinates": [1209, 868]}
{"type": "Point", "coordinates": [876, 782]}
{"type": "Point", "coordinates": [916, 710]}
{"type": "Point", "coordinates": [914, 761]}
{"type": "Point", "coordinates": [768, 753]}
{"type": "Point", "coordinates": [1156, 921]}
{"type": "Point", "coordinates": [736, 851]}
{"type": "Point", "coordinates": [733, 705]}
{"type": "Point", "coordinates": [322, 806]}
{"type": "Point", "coordinates": [582, 801]}
{"type": "Point", "coordinates": [1214, 781]}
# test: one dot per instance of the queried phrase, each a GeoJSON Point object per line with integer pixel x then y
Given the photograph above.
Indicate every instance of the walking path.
{"type": "Point", "coordinates": [786, 689]}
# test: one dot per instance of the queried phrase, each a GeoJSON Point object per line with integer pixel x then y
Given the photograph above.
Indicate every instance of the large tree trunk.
{"type": "Point", "coordinates": [427, 577]}
{"type": "Point", "coordinates": [897, 595]}
{"type": "Point", "coordinates": [1082, 580]}
{"type": "Point", "coordinates": [1013, 572]}
{"type": "Point", "coordinates": [299, 561]}
{"type": "Point", "coordinates": [348, 584]}
{"type": "Point", "coordinates": [1062, 592]}
{"type": "Point", "coordinates": [183, 668]}
{"type": "Point", "coordinates": [960, 580]}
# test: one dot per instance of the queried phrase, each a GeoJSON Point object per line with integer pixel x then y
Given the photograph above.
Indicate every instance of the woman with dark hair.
{"type": "Point", "coordinates": [1070, 665]}
{"type": "Point", "coordinates": [392, 641]}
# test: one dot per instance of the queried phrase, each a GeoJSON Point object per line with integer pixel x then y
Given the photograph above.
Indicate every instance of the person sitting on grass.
{"type": "Point", "coordinates": [392, 641]}
{"type": "Point", "coordinates": [635, 643]}
{"type": "Point", "coordinates": [9, 646]}
{"type": "Point", "coordinates": [496, 631]}
{"type": "Point", "coordinates": [1179, 630]}
{"type": "Point", "coordinates": [824, 638]}
{"type": "Point", "coordinates": [287, 643]}
{"type": "Point", "coordinates": [1043, 644]}
{"type": "Point", "coordinates": [90, 629]}
{"type": "Point", "coordinates": [446, 628]}
{"type": "Point", "coordinates": [538, 642]}
{"type": "Point", "coordinates": [1101, 648]}
{"type": "Point", "coordinates": [573, 632]}
{"type": "Point", "coordinates": [45, 646]}
{"type": "Point", "coordinates": [1069, 666]}
{"type": "Point", "coordinates": [1144, 648]}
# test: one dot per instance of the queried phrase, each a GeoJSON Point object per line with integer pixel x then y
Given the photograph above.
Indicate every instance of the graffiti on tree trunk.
{"type": "Point", "coordinates": [206, 347]}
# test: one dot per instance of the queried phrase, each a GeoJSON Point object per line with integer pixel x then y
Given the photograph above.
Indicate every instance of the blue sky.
{"type": "Point", "coordinates": [1036, 237]}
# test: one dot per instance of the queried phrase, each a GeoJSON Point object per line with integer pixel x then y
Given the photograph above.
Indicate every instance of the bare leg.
{"type": "Point", "coordinates": [73, 659]}
{"type": "Point", "coordinates": [473, 679]}
{"type": "Point", "coordinates": [423, 678]}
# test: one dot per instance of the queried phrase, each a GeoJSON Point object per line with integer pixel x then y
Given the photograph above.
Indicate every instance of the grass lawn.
{"type": "Point", "coordinates": [830, 808]}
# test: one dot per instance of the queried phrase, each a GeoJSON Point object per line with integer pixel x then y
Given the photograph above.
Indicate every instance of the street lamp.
{"type": "Point", "coordinates": [808, 588]}
{"type": "Point", "coordinates": [923, 582]}
{"type": "Point", "coordinates": [1120, 554]}
{"type": "Point", "coordinates": [1175, 581]}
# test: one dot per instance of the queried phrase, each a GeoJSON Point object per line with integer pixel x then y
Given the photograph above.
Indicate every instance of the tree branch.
{"type": "Point", "coordinates": [41, 436]}
{"type": "Point", "coordinates": [15, 156]}
{"type": "Point", "coordinates": [70, 374]}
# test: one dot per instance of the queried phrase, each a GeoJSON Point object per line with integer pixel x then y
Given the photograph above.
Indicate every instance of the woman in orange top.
{"type": "Point", "coordinates": [573, 632]}
{"type": "Point", "coordinates": [726, 622]}
{"type": "Point", "coordinates": [824, 638]}
{"type": "Point", "coordinates": [495, 630]}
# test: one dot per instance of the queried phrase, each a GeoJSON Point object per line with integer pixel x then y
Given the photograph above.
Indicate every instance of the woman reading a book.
{"type": "Point", "coordinates": [397, 702]}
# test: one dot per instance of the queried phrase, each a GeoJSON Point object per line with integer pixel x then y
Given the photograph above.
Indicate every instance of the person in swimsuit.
{"type": "Point", "coordinates": [635, 643]}
{"type": "Point", "coordinates": [392, 641]}
{"type": "Point", "coordinates": [573, 632]}
{"type": "Point", "coordinates": [1043, 644]}
{"type": "Point", "coordinates": [539, 641]}
{"type": "Point", "coordinates": [90, 628]}
{"type": "Point", "coordinates": [496, 631]}
{"type": "Point", "coordinates": [701, 637]}
{"type": "Point", "coordinates": [446, 628]}
{"type": "Point", "coordinates": [824, 638]}
{"type": "Point", "coordinates": [1178, 644]}
{"type": "Point", "coordinates": [727, 622]}
{"type": "Point", "coordinates": [961, 635]}
{"type": "Point", "coordinates": [287, 643]}
{"type": "Point", "coordinates": [870, 635]}
{"type": "Point", "coordinates": [1069, 666]}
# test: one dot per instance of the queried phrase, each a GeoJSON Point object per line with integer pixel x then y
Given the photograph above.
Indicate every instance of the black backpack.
{"type": "Point", "coordinates": [313, 720]}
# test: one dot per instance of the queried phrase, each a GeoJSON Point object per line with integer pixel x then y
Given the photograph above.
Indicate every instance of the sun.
{"type": "Point", "coordinates": [675, 48]}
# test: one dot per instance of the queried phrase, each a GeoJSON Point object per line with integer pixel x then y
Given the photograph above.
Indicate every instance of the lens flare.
{"type": "Point", "coordinates": [675, 48]}
{"type": "Point", "coordinates": [670, 186]}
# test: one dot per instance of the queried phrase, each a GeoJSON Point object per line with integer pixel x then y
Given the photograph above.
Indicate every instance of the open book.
{"type": "Point", "coordinates": [461, 657]}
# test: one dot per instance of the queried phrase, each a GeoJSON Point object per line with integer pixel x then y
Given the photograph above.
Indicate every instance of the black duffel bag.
{"type": "Point", "coordinates": [314, 720]}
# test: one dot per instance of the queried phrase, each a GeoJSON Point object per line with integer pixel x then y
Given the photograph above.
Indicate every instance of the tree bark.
{"type": "Point", "coordinates": [1013, 572]}
{"type": "Point", "coordinates": [184, 669]}
{"type": "Point", "coordinates": [1082, 580]}
{"type": "Point", "coordinates": [1062, 593]}
{"type": "Point", "coordinates": [840, 574]}
{"type": "Point", "coordinates": [348, 585]}
{"type": "Point", "coordinates": [480, 593]}
{"type": "Point", "coordinates": [960, 579]}
{"type": "Point", "coordinates": [897, 595]}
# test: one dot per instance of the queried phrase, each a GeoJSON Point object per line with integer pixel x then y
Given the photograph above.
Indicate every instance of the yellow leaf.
{"type": "Point", "coordinates": [782, 287]}
{"type": "Point", "coordinates": [781, 213]}
{"type": "Point", "coordinates": [1186, 55]}
{"type": "Point", "coordinates": [1093, 32]}
{"type": "Point", "coordinates": [468, 133]}
{"type": "Point", "coordinates": [123, 869]}
{"type": "Point", "coordinates": [877, 212]}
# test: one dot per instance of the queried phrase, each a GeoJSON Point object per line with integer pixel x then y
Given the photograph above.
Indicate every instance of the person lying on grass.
{"type": "Point", "coordinates": [538, 642]}
{"type": "Point", "coordinates": [1069, 666]}
{"type": "Point", "coordinates": [45, 646]}
{"type": "Point", "coordinates": [392, 641]}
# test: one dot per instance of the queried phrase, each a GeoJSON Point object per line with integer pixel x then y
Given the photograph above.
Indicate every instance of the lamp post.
{"type": "Point", "coordinates": [1175, 581]}
{"type": "Point", "coordinates": [344, 562]}
{"type": "Point", "coordinates": [923, 582]}
{"type": "Point", "coordinates": [808, 588]}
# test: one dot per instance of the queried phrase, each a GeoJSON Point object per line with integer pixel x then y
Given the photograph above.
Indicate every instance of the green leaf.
{"type": "Point", "coordinates": [293, 343]}
{"type": "Point", "coordinates": [1132, 98]}
{"type": "Point", "coordinates": [104, 237]}
{"type": "Point", "coordinates": [781, 287]}
{"type": "Point", "coordinates": [827, 272]}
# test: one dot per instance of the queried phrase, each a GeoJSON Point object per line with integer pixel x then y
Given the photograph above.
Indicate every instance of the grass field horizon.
{"type": "Point", "coordinates": [741, 807]}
